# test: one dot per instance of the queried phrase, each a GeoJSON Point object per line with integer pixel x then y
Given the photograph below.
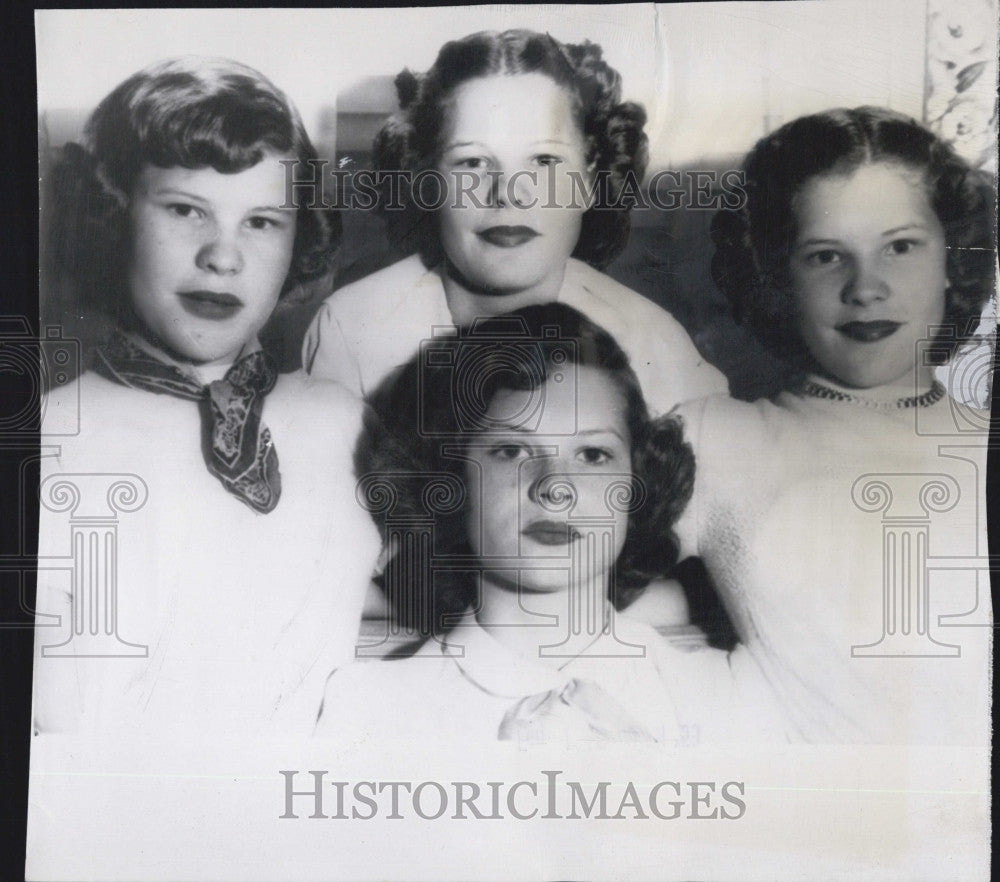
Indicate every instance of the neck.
{"type": "Point", "coordinates": [526, 621]}
{"type": "Point", "coordinates": [466, 302]}
{"type": "Point", "coordinates": [203, 372]}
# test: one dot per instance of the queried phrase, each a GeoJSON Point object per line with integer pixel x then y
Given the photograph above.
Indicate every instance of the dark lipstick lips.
{"type": "Point", "coordinates": [215, 305]}
{"type": "Point", "coordinates": [868, 332]}
{"type": "Point", "coordinates": [507, 237]}
{"type": "Point", "coordinates": [549, 533]}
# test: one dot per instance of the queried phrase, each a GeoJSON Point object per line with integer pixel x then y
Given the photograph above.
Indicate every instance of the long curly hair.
{"type": "Point", "coordinates": [192, 112]}
{"type": "Point", "coordinates": [409, 454]}
{"type": "Point", "coordinates": [752, 242]}
{"type": "Point", "coordinates": [616, 145]}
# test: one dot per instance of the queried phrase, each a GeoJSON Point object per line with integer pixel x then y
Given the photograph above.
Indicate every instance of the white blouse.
{"type": "Point", "coordinates": [459, 688]}
{"type": "Point", "coordinates": [367, 329]}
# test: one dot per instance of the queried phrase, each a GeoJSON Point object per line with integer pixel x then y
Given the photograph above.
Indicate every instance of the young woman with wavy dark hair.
{"type": "Point", "coordinates": [863, 257]}
{"type": "Point", "coordinates": [507, 169]}
{"type": "Point", "coordinates": [527, 497]}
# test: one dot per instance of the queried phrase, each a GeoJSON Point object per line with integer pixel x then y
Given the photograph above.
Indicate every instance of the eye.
{"type": "Point", "coordinates": [472, 163]}
{"type": "Point", "coordinates": [508, 452]}
{"type": "Point", "coordinates": [902, 246]}
{"type": "Point", "coordinates": [184, 210]}
{"type": "Point", "coordinates": [823, 257]}
{"type": "Point", "coordinates": [547, 159]}
{"type": "Point", "coordinates": [264, 222]}
{"type": "Point", "coordinates": [595, 455]}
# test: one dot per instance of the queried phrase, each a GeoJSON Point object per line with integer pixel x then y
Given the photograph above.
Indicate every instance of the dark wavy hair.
{"type": "Point", "coordinates": [192, 112]}
{"type": "Point", "coordinates": [409, 454]}
{"type": "Point", "coordinates": [752, 243]}
{"type": "Point", "coordinates": [615, 142]}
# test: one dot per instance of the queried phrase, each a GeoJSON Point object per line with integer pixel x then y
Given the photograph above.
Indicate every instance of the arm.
{"type": "Point", "coordinates": [688, 525]}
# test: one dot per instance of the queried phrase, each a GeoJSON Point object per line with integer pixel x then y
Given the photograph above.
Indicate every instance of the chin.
{"type": "Point", "coordinates": [195, 354]}
{"type": "Point", "coordinates": [875, 379]}
{"type": "Point", "coordinates": [505, 281]}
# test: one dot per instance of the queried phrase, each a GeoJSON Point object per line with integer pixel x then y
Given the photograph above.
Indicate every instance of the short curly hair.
{"type": "Point", "coordinates": [193, 112]}
{"type": "Point", "coordinates": [415, 426]}
{"type": "Point", "coordinates": [615, 141]}
{"type": "Point", "coordinates": [752, 242]}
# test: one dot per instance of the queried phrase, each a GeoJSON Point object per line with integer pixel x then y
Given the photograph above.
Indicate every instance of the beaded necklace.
{"type": "Point", "coordinates": [926, 399]}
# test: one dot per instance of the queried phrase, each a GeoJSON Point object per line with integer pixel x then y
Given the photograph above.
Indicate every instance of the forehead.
{"type": "Point", "coordinates": [874, 195]}
{"type": "Point", "coordinates": [260, 185]}
{"type": "Point", "coordinates": [516, 107]}
{"type": "Point", "coordinates": [585, 399]}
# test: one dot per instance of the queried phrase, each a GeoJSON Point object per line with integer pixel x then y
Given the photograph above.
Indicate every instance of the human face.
{"type": "Point", "coordinates": [868, 271]}
{"type": "Point", "coordinates": [534, 495]}
{"type": "Point", "coordinates": [514, 159]}
{"type": "Point", "coordinates": [210, 253]}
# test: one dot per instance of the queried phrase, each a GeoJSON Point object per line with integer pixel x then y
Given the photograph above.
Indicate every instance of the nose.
{"type": "Point", "coordinates": [865, 285]}
{"type": "Point", "coordinates": [511, 188]}
{"type": "Point", "coordinates": [553, 490]}
{"type": "Point", "coordinates": [221, 254]}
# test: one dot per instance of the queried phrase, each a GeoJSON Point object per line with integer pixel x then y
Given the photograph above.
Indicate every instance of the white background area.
{"type": "Point", "coordinates": [712, 76]}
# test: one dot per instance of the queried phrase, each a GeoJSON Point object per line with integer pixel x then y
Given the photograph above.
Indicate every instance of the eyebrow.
{"type": "Point", "coordinates": [184, 194]}
{"type": "Point", "coordinates": [902, 228]}
{"type": "Point", "coordinates": [502, 428]}
{"type": "Point", "coordinates": [457, 144]}
{"type": "Point", "coordinates": [194, 197]}
{"type": "Point", "coordinates": [805, 242]}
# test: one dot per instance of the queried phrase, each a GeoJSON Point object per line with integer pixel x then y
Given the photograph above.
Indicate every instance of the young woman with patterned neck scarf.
{"type": "Point", "coordinates": [239, 580]}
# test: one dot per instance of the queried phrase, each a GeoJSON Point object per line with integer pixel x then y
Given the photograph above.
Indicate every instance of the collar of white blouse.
{"type": "Point", "coordinates": [498, 670]}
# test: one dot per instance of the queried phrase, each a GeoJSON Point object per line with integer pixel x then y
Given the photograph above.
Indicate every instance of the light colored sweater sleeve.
{"type": "Point", "coordinates": [326, 353]}
{"type": "Point", "coordinates": [688, 526]}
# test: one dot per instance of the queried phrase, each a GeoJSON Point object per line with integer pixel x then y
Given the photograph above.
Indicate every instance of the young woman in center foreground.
{"type": "Point", "coordinates": [528, 441]}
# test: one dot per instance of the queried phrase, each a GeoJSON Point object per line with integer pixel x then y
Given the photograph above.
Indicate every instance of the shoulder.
{"type": "Point", "coordinates": [662, 353]}
{"type": "Point", "coordinates": [403, 296]}
{"type": "Point", "coordinates": [695, 414]}
{"type": "Point", "coordinates": [721, 410]}
{"type": "Point", "coordinates": [60, 408]}
{"type": "Point", "coordinates": [388, 697]}
{"type": "Point", "coordinates": [719, 425]}
{"type": "Point", "coordinates": [581, 277]}
{"type": "Point", "coordinates": [299, 386]}
{"type": "Point", "coordinates": [315, 399]}
{"type": "Point", "coordinates": [93, 403]}
{"type": "Point", "coordinates": [957, 418]}
{"type": "Point", "coordinates": [387, 285]}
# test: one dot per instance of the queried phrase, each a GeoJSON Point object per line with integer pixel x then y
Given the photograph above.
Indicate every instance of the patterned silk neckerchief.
{"type": "Point", "coordinates": [236, 443]}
